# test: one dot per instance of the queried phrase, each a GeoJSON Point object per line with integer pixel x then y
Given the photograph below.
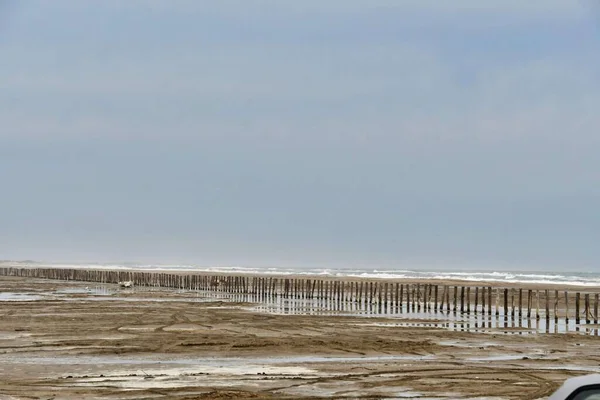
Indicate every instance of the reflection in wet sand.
{"type": "Point", "coordinates": [428, 317]}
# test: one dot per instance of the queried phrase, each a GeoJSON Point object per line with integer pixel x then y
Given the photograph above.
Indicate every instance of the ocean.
{"type": "Point", "coordinates": [591, 279]}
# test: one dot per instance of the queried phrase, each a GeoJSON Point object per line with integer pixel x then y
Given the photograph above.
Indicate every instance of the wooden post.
{"type": "Point", "coordinates": [322, 292]}
{"type": "Point", "coordinates": [429, 296]}
{"type": "Point", "coordinates": [418, 296]}
{"type": "Point", "coordinates": [375, 289]}
{"type": "Point", "coordinates": [520, 303]}
{"type": "Point", "coordinates": [497, 301]}
{"type": "Point", "coordinates": [596, 308]}
{"type": "Point", "coordinates": [336, 291]}
{"type": "Point", "coordinates": [360, 290]}
{"type": "Point", "coordinates": [547, 295]}
{"type": "Point", "coordinates": [435, 304]}
{"type": "Point", "coordinates": [468, 299]}
{"type": "Point", "coordinates": [537, 304]}
{"type": "Point", "coordinates": [587, 308]}
{"type": "Point", "coordinates": [476, 298]}
{"type": "Point", "coordinates": [566, 306]}
{"type": "Point", "coordinates": [376, 293]}
{"type": "Point", "coordinates": [512, 302]}
{"type": "Point", "coordinates": [401, 297]}
{"type": "Point", "coordinates": [414, 293]}
{"type": "Point", "coordinates": [455, 298]}
{"type": "Point", "coordinates": [462, 299]}
{"type": "Point", "coordinates": [483, 300]}
{"type": "Point", "coordinates": [505, 303]}
{"type": "Point", "coordinates": [387, 294]}
{"type": "Point", "coordinates": [489, 300]}
{"type": "Point", "coordinates": [577, 301]}
{"type": "Point", "coordinates": [364, 292]}
{"type": "Point", "coordinates": [556, 296]}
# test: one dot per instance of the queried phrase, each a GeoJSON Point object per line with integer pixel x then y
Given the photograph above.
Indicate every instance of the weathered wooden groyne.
{"type": "Point", "coordinates": [513, 302]}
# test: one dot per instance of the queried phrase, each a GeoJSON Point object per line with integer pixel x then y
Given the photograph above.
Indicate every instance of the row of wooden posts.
{"type": "Point", "coordinates": [486, 300]}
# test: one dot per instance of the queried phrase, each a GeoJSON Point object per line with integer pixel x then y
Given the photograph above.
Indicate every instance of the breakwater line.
{"type": "Point", "coordinates": [384, 295]}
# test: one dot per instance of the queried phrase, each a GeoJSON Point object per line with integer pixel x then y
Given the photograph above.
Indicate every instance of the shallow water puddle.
{"type": "Point", "coordinates": [212, 362]}
{"type": "Point", "coordinates": [140, 328]}
{"type": "Point", "coordinates": [13, 335]}
{"type": "Point", "coordinates": [487, 325]}
{"type": "Point", "coordinates": [8, 296]}
{"type": "Point", "coordinates": [468, 345]}
{"type": "Point", "coordinates": [378, 386]}
{"type": "Point", "coordinates": [572, 368]}
{"type": "Point", "coordinates": [506, 357]}
{"type": "Point", "coordinates": [350, 389]}
{"type": "Point", "coordinates": [96, 291]}
{"type": "Point", "coordinates": [172, 375]}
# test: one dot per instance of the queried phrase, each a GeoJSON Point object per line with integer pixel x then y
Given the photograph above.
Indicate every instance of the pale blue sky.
{"type": "Point", "coordinates": [332, 132]}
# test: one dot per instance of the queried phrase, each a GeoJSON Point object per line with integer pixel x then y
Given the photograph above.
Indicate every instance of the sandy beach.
{"type": "Point", "coordinates": [73, 340]}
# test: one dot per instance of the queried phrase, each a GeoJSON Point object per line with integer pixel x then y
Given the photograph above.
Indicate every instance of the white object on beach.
{"type": "Point", "coordinates": [126, 284]}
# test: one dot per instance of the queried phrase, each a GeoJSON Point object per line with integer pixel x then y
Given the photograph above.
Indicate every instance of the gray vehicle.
{"type": "Point", "coordinates": [579, 388]}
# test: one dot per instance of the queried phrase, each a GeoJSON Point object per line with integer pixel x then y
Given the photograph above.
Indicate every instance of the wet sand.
{"type": "Point", "coordinates": [69, 340]}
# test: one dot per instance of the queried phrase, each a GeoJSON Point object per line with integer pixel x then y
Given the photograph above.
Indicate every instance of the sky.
{"type": "Point", "coordinates": [382, 133]}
